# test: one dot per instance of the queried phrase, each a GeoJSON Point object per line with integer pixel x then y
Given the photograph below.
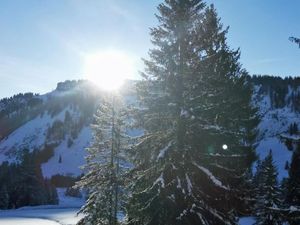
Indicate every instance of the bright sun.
{"type": "Point", "coordinates": [108, 69]}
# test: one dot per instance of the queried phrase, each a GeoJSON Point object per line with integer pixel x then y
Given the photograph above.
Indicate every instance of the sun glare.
{"type": "Point", "coordinates": [108, 69]}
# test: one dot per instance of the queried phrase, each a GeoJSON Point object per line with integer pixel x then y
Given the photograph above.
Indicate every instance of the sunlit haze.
{"type": "Point", "coordinates": [108, 69]}
{"type": "Point", "coordinates": [42, 42]}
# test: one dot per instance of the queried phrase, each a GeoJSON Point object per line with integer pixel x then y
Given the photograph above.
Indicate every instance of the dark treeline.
{"type": "Point", "coordinates": [22, 184]}
{"type": "Point", "coordinates": [18, 102]}
{"type": "Point", "coordinates": [275, 80]}
{"type": "Point", "coordinates": [17, 110]}
{"type": "Point", "coordinates": [282, 91]}
{"type": "Point", "coordinates": [63, 181]}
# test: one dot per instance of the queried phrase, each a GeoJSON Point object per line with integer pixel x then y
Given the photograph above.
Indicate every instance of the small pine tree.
{"type": "Point", "coordinates": [293, 183]}
{"type": "Point", "coordinates": [293, 129]}
{"type": "Point", "coordinates": [289, 144]}
{"type": "Point", "coordinates": [103, 176]}
{"type": "Point", "coordinates": [287, 165]}
{"type": "Point", "coordinates": [268, 203]}
{"type": "Point", "coordinates": [248, 195]}
{"type": "Point", "coordinates": [70, 142]}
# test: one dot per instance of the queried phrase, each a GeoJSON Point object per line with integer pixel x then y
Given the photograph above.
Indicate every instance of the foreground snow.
{"type": "Point", "coordinates": [44, 216]}
{"type": "Point", "coordinates": [63, 214]}
{"type": "Point", "coordinates": [26, 221]}
{"type": "Point", "coordinates": [58, 216]}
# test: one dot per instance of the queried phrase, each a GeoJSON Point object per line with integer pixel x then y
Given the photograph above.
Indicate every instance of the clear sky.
{"type": "Point", "coordinates": [45, 42]}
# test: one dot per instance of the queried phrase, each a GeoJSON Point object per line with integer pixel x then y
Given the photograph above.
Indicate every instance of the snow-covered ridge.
{"type": "Point", "coordinates": [60, 125]}
{"type": "Point", "coordinates": [63, 118]}
{"type": "Point", "coordinates": [277, 105]}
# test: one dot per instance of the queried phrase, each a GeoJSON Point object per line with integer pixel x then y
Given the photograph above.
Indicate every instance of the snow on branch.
{"type": "Point", "coordinates": [226, 156]}
{"type": "Point", "coordinates": [203, 221]}
{"type": "Point", "coordinates": [163, 151]}
{"type": "Point", "coordinates": [189, 184]}
{"type": "Point", "coordinates": [222, 167]}
{"type": "Point", "coordinates": [216, 181]}
{"type": "Point", "coordinates": [161, 180]}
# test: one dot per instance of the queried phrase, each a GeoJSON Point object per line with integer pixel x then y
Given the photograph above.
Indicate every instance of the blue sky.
{"type": "Point", "coordinates": [44, 42]}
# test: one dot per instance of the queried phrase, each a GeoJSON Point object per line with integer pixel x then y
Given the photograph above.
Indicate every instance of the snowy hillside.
{"type": "Point", "coordinates": [58, 125]}
{"type": "Point", "coordinates": [60, 130]}
{"type": "Point", "coordinates": [277, 101]}
{"type": "Point", "coordinates": [71, 157]}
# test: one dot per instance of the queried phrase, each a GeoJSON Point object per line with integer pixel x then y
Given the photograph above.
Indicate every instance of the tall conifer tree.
{"type": "Point", "coordinates": [198, 122]}
{"type": "Point", "coordinates": [103, 178]}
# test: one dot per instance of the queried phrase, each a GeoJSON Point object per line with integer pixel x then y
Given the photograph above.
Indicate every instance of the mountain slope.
{"type": "Point", "coordinates": [58, 123]}
{"type": "Point", "coordinates": [277, 101]}
{"type": "Point", "coordinates": [60, 130]}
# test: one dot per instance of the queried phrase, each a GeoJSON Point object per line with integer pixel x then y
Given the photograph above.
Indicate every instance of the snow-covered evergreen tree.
{"type": "Point", "coordinates": [103, 173]}
{"type": "Point", "coordinates": [198, 122]}
{"type": "Point", "coordinates": [293, 188]}
{"type": "Point", "coordinates": [249, 194]}
{"type": "Point", "coordinates": [268, 206]}
{"type": "Point", "coordinates": [293, 183]}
